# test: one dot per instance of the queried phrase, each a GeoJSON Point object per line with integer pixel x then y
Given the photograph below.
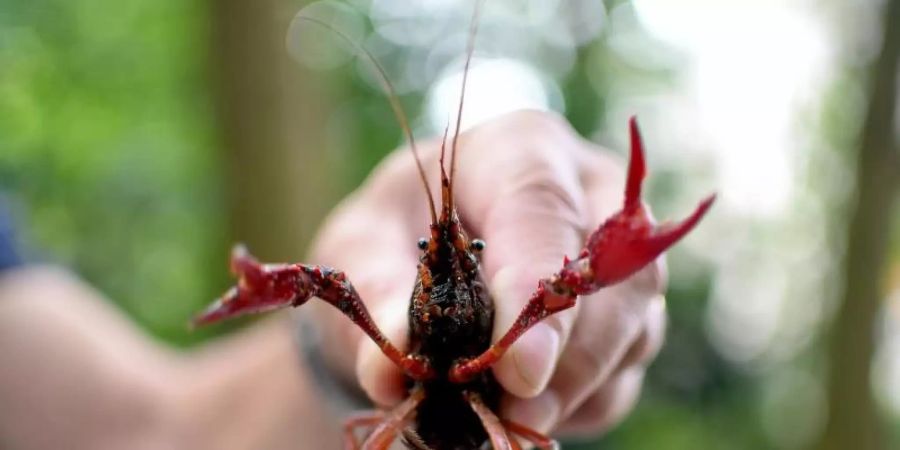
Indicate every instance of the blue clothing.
{"type": "Point", "coordinates": [10, 252]}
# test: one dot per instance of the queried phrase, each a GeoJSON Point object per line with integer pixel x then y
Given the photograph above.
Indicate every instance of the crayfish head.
{"type": "Point", "coordinates": [451, 312]}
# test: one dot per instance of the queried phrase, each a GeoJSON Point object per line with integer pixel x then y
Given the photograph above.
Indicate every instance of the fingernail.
{"type": "Point", "coordinates": [508, 285]}
{"type": "Point", "coordinates": [527, 367]}
{"type": "Point", "coordinates": [540, 413]}
{"type": "Point", "coordinates": [534, 356]}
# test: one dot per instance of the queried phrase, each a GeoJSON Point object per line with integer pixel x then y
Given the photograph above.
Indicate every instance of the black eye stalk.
{"type": "Point", "coordinates": [422, 244]}
{"type": "Point", "coordinates": [478, 245]}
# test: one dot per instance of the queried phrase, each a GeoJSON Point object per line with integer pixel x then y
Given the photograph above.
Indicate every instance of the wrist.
{"type": "Point", "coordinates": [343, 394]}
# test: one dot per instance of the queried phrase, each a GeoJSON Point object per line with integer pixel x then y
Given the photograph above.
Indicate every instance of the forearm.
{"type": "Point", "coordinates": [76, 374]}
{"type": "Point", "coordinates": [251, 391]}
{"type": "Point", "coordinates": [73, 373]}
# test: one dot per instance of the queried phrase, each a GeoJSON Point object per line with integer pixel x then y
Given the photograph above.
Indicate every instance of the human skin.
{"type": "Point", "coordinates": [530, 187]}
{"type": "Point", "coordinates": [77, 374]}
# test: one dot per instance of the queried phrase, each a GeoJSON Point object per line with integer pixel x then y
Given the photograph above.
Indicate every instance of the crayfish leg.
{"type": "Point", "coordinates": [389, 428]}
{"type": "Point", "coordinates": [266, 287]}
{"type": "Point", "coordinates": [363, 419]}
{"type": "Point", "coordinates": [497, 435]}
{"type": "Point", "coordinates": [537, 439]}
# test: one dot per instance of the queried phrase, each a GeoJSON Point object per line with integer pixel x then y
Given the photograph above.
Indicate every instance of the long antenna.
{"type": "Point", "coordinates": [470, 49]}
{"type": "Point", "coordinates": [392, 97]}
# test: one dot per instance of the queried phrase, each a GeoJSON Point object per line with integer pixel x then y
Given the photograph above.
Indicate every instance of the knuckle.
{"type": "Point", "coordinates": [648, 341]}
{"type": "Point", "coordinates": [606, 406]}
{"type": "Point", "coordinates": [648, 282]}
{"type": "Point", "coordinates": [542, 184]}
{"type": "Point", "coordinates": [541, 197]}
{"type": "Point", "coordinates": [613, 322]}
{"type": "Point", "coordinates": [592, 363]}
{"type": "Point", "coordinates": [640, 351]}
{"type": "Point", "coordinates": [589, 417]}
{"type": "Point", "coordinates": [536, 122]}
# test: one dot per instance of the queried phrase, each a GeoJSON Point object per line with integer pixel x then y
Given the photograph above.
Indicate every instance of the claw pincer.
{"type": "Point", "coordinates": [260, 288]}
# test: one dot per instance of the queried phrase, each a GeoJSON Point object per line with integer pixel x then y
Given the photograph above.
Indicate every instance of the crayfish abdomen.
{"type": "Point", "coordinates": [445, 419]}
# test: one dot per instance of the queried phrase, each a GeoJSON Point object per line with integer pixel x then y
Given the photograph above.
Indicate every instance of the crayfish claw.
{"type": "Point", "coordinates": [245, 265]}
{"type": "Point", "coordinates": [629, 240]}
{"type": "Point", "coordinates": [218, 310]}
{"type": "Point", "coordinates": [259, 288]}
{"type": "Point", "coordinates": [667, 234]}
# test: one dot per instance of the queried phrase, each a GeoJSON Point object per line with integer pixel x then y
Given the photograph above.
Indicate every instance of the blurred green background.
{"type": "Point", "coordinates": [139, 139]}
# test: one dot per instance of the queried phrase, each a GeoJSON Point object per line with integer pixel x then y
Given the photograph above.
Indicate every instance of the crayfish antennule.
{"type": "Point", "coordinates": [637, 166]}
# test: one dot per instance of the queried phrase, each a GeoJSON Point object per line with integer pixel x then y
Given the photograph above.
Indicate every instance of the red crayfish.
{"type": "Point", "coordinates": [453, 395]}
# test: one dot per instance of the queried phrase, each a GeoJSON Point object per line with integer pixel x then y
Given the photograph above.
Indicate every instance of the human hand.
{"type": "Point", "coordinates": [533, 190]}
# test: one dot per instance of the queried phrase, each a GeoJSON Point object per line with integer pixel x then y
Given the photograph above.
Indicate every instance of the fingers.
{"type": "Point", "coordinates": [369, 238]}
{"type": "Point", "coordinates": [619, 330]}
{"type": "Point", "coordinates": [628, 338]}
{"type": "Point", "coordinates": [606, 407]}
{"type": "Point", "coordinates": [525, 198]}
{"type": "Point", "coordinates": [532, 190]}
{"type": "Point", "coordinates": [619, 337]}
{"type": "Point", "coordinates": [379, 377]}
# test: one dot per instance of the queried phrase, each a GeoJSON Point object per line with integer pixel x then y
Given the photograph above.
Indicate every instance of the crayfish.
{"type": "Point", "coordinates": [452, 393]}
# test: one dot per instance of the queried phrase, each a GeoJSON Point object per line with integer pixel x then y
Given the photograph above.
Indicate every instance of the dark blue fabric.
{"type": "Point", "coordinates": [10, 252]}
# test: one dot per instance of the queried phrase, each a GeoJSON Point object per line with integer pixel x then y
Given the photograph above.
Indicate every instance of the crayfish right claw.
{"type": "Point", "coordinates": [245, 265]}
{"type": "Point", "coordinates": [629, 240]}
{"type": "Point", "coordinates": [667, 234]}
{"type": "Point", "coordinates": [260, 288]}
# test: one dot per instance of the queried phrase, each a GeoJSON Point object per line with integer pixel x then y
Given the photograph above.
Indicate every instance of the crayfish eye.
{"type": "Point", "coordinates": [422, 244]}
{"type": "Point", "coordinates": [478, 245]}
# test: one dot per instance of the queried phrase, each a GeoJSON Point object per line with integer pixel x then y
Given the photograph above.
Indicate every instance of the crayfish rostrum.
{"type": "Point", "coordinates": [452, 394]}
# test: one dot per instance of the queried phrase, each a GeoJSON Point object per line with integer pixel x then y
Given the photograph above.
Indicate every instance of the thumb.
{"type": "Point", "coordinates": [527, 239]}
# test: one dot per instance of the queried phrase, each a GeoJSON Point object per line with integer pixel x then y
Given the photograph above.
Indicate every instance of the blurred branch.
{"type": "Point", "coordinates": [853, 419]}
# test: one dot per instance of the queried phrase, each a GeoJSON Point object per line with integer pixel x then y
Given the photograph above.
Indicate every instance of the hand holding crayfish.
{"type": "Point", "coordinates": [534, 190]}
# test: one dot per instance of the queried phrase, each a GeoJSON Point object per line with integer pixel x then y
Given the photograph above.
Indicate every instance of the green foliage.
{"type": "Point", "coordinates": [107, 144]}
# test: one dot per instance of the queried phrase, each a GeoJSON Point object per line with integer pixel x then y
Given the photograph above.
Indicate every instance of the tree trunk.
{"type": "Point", "coordinates": [853, 419]}
{"type": "Point", "coordinates": [273, 115]}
